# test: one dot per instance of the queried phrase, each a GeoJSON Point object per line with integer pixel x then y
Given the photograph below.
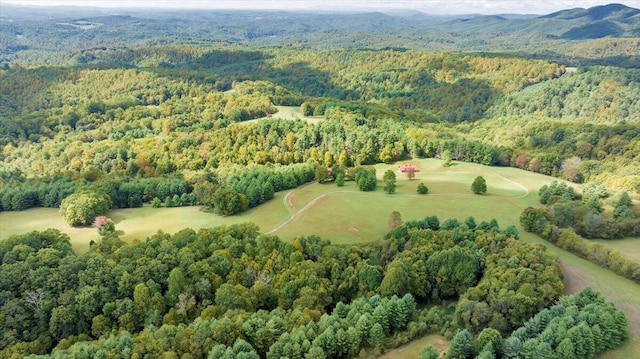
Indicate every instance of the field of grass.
{"type": "Point", "coordinates": [288, 113]}
{"type": "Point", "coordinates": [346, 215]}
{"type": "Point", "coordinates": [413, 349]}
{"type": "Point", "coordinates": [139, 223]}
{"type": "Point", "coordinates": [629, 246]}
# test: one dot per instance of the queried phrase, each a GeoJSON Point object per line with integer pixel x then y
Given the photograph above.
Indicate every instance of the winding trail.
{"type": "Point", "coordinates": [289, 204]}
{"type": "Point", "coordinates": [313, 201]}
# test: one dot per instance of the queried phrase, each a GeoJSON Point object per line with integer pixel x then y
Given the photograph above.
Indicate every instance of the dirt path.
{"type": "Point", "coordinates": [523, 187]}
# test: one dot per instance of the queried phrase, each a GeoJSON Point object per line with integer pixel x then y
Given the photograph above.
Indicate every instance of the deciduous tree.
{"type": "Point", "coordinates": [479, 185]}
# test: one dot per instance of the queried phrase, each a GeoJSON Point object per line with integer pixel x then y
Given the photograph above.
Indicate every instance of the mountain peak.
{"type": "Point", "coordinates": [602, 12]}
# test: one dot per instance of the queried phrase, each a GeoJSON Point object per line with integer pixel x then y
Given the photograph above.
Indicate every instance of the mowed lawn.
{"type": "Point", "coordinates": [413, 349]}
{"type": "Point", "coordinates": [139, 223]}
{"type": "Point", "coordinates": [630, 247]}
{"type": "Point", "coordinates": [346, 215]}
{"type": "Point", "coordinates": [288, 113]}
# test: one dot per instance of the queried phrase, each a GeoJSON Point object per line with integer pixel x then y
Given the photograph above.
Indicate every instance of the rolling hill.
{"type": "Point", "coordinates": [24, 31]}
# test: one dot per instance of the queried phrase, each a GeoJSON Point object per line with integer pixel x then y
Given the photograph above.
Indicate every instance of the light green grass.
{"type": "Point", "coordinates": [288, 113]}
{"type": "Point", "coordinates": [347, 215]}
{"type": "Point", "coordinates": [413, 349]}
{"type": "Point", "coordinates": [21, 222]}
{"type": "Point", "coordinates": [139, 223]}
{"type": "Point", "coordinates": [630, 247]}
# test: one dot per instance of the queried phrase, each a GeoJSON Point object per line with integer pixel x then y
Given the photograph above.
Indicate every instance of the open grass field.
{"type": "Point", "coordinates": [413, 349]}
{"type": "Point", "coordinates": [629, 246]}
{"type": "Point", "coordinates": [139, 223]}
{"type": "Point", "coordinates": [346, 215]}
{"type": "Point", "coordinates": [288, 113]}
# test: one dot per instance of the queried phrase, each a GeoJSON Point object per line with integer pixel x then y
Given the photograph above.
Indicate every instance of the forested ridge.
{"type": "Point", "coordinates": [151, 121]}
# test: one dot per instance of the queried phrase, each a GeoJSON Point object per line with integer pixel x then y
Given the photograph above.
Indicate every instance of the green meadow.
{"type": "Point", "coordinates": [347, 215]}
{"type": "Point", "coordinates": [287, 113]}
{"type": "Point", "coordinates": [413, 349]}
{"type": "Point", "coordinates": [629, 246]}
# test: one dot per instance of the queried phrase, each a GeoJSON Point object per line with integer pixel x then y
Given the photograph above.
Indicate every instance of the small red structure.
{"type": "Point", "coordinates": [408, 168]}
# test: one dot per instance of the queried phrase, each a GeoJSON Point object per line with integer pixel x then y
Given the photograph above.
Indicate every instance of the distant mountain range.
{"type": "Point", "coordinates": [613, 20]}
{"type": "Point", "coordinates": [75, 28]}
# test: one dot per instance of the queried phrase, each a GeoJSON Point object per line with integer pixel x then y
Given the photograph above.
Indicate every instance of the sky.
{"type": "Point", "coordinates": [436, 7]}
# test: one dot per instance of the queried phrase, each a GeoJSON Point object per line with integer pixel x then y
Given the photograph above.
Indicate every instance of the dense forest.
{"type": "Point", "coordinates": [190, 116]}
{"type": "Point", "coordinates": [240, 285]}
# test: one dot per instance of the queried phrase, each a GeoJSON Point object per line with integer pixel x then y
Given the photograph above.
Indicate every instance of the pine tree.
{"type": "Point", "coordinates": [376, 336]}
{"type": "Point", "coordinates": [461, 345]}
{"type": "Point", "coordinates": [511, 348]}
{"type": "Point", "coordinates": [565, 350]}
{"type": "Point", "coordinates": [381, 316]}
{"type": "Point", "coordinates": [429, 352]}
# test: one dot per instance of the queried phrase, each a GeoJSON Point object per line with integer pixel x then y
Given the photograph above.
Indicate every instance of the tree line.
{"type": "Point", "coordinates": [568, 221]}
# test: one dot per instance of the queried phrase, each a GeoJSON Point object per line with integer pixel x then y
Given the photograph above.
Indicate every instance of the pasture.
{"type": "Point", "coordinates": [629, 246]}
{"type": "Point", "coordinates": [347, 215]}
{"type": "Point", "coordinates": [138, 223]}
{"type": "Point", "coordinates": [412, 350]}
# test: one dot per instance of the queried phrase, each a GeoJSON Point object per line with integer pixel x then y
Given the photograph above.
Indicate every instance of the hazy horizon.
{"type": "Point", "coordinates": [436, 7]}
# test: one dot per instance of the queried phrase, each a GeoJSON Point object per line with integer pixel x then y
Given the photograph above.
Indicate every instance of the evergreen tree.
{"type": "Point", "coordinates": [429, 352]}
{"type": "Point", "coordinates": [461, 346]}
{"type": "Point", "coordinates": [376, 336]}
{"type": "Point", "coordinates": [422, 189]}
{"type": "Point", "coordinates": [565, 350]}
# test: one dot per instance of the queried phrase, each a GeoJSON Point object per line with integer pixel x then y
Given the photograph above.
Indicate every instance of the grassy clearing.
{"type": "Point", "coordinates": [413, 349]}
{"type": "Point", "coordinates": [21, 222]}
{"type": "Point", "coordinates": [347, 215]}
{"type": "Point", "coordinates": [629, 246]}
{"type": "Point", "coordinates": [139, 223]}
{"type": "Point", "coordinates": [288, 113]}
